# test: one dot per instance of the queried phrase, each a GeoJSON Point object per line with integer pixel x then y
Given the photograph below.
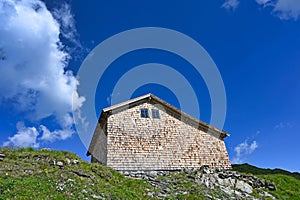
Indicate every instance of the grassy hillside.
{"type": "Point", "coordinates": [246, 168]}
{"type": "Point", "coordinates": [287, 183]}
{"type": "Point", "coordinates": [44, 174]}
{"type": "Point", "coordinates": [30, 174]}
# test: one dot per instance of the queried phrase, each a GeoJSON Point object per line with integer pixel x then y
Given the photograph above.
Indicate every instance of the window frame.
{"type": "Point", "coordinates": [144, 113]}
{"type": "Point", "coordinates": [155, 114]}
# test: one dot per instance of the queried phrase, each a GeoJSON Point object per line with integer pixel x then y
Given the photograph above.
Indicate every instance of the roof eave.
{"type": "Point", "coordinates": [150, 96]}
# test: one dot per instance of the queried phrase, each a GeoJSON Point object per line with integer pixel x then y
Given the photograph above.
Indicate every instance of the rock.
{"type": "Point", "coordinates": [60, 164]}
{"type": "Point", "coordinates": [166, 190]}
{"type": "Point", "coordinates": [266, 194]}
{"type": "Point", "coordinates": [233, 184]}
{"type": "Point", "coordinates": [28, 171]}
{"type": "Point", "coordinates": [46, 149]}
{"type": "Point", "coordinates": [208, 181]}
{"type": "Point", "coordinates": [162, 173]}
{"type": "Point", "coordinates": [236, 174]}
{"type": "Point", "coordinates": [190, 177]}
{"type": "Point", "coordinates": [222, 175]}
{"type": "Point", "coordinates": [213, 180]}
{"type": "Point", "coordinates": [250, 182]}
{"type": "Point", "coordinates": [81, 173]}
{"type": "Point", "coordinates": [83, 191]}
{"type": "Point", "coordinates": [232, 181]}
{"type": "Point", "coordinates": [2, 156]}
{"type": "Point", "coordinates": [153, 173]}
{"type": "Point", "coordinates": [150, 194]}
{"type": "Point", "coordinates": [97, 196]}
{"type": "Point", "coordinates": [243, 186]}
{"type": "Point", "coordinates": [238, 194]}
{"type": "Point", "coordinates": [206, 169]}
{"type": "Point", "coordinates": [75, 162]}
{"type": "Point", "coordinates": [64, 175]}
{"type": "Point", "coordinates": [270, 185]}
{"type": "Point", "coordinates": [161, 195]}
{"type": "Point", "coordinates": [227, 190]}
{"type": "Point", "coordinates": [125, 173]}
{"type": "Point", "coordinates": [68, 161]}
{"type": "Point", "coordinates": [226, 182]}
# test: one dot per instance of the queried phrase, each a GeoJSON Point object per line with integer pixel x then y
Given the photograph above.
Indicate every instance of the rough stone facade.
{"type": "Point", "coordinates": [124, 140]}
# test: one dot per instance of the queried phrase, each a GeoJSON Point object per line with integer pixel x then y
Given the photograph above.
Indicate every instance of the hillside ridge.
{"type": "Point", "coordinates": [247, 168]}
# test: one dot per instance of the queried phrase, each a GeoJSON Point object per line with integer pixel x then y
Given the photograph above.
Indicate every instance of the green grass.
{"type": "Point", "coordinates": [260, 171]}
{"type": "Point", "coordinates": [287, 187]}
{"type": "Point", "coordinates": [31, 174]}
{"type": "Point", "coordinates": [287, 183]}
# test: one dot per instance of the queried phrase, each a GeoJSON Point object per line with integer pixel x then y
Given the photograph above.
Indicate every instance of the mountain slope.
{"type": "Point", "coordinates": [287, 183]}
{"type": "Point", "coordinates": [246, 168]}
{"type": "Point", "coordinates": [46, 174]}
{"type": "Point", "coordinates": [43, 174]}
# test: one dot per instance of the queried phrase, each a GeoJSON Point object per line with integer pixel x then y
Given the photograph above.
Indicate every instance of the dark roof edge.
{"type": "Point", "coordinates": [100, 121]}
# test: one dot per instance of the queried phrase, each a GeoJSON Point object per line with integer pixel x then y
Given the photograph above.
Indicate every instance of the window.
{"type": "Point", "coordinates": [155, 114]}
{"type": "Point", "coordinates": [144, 113]}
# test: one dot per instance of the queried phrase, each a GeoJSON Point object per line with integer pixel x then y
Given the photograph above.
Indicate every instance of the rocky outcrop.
{"type": "Point", "coordinates": [2, 157]}
{"type": "Point", "coordinates": [231, 184]}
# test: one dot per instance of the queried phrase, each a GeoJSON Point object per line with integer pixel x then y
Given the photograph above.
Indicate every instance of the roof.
{"type": "Point", "coordinates": [209, 128]}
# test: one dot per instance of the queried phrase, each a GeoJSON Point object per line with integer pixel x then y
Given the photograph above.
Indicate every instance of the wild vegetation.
{"type": "Point", "coordinates": [287, 183]}
{"type": "Point", "coordinates": [47, 174]}
{"type": "Point", "coordinates": [44, 174]}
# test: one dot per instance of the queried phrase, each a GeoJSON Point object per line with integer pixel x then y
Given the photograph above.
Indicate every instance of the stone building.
{"type": "Point", "coordinates": [147, 133]}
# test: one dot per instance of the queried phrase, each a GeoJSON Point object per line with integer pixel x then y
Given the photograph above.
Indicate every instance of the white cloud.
{"type": "Point", "coordinates": [242, 150]}
{"type": "Point", "coordinates": [32, 67]}
{"type": "Point", "coordinates": [51, 136]}
{"type": "Point", "coordinates": [284, 9]}
{"type": "Point", "coordinates": [263, 2]}
{"type": "Point", "coordinates": [287, 9]}
{"type": "Point", "coordinates": [231, 4]}
{"type": "Point", "coordinates": [283, 125]}
{"type": "Point", "coordinates": [25, 137]}
{"type": "Point", "coordinates": [66, 20]}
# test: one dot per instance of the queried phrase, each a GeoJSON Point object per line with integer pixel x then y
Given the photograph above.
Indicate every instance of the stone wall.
{"type": "Point", "coordinates": [135, 143]}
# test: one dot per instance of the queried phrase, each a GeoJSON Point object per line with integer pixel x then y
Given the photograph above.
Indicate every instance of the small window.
{"type": "Point", "coordinates": [155, 114]}
{"type": "Point", "coordinates": [144, 113]}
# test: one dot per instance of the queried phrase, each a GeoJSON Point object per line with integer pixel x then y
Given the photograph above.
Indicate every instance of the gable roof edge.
{"type": "Point", "coordinates": [150, 96]}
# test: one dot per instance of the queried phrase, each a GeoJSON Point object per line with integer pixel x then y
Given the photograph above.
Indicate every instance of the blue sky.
{"type": "Point", "coordinates": [254, 44]}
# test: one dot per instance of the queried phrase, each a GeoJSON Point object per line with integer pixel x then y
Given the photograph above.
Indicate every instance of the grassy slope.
{"type": "Point", "coordinates": [287, 183]}
{"type": "Point", "coordinates": [29, 174]}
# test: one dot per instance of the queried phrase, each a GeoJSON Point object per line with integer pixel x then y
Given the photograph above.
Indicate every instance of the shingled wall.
{"type": "Point", "coordinates": [168, 143]}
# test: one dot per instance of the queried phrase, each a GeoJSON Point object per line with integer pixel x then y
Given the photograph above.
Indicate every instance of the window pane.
{"type": "Point", "coordinates": [144, 113]}
{"type": "Point", "coordinates": [155, 114]}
